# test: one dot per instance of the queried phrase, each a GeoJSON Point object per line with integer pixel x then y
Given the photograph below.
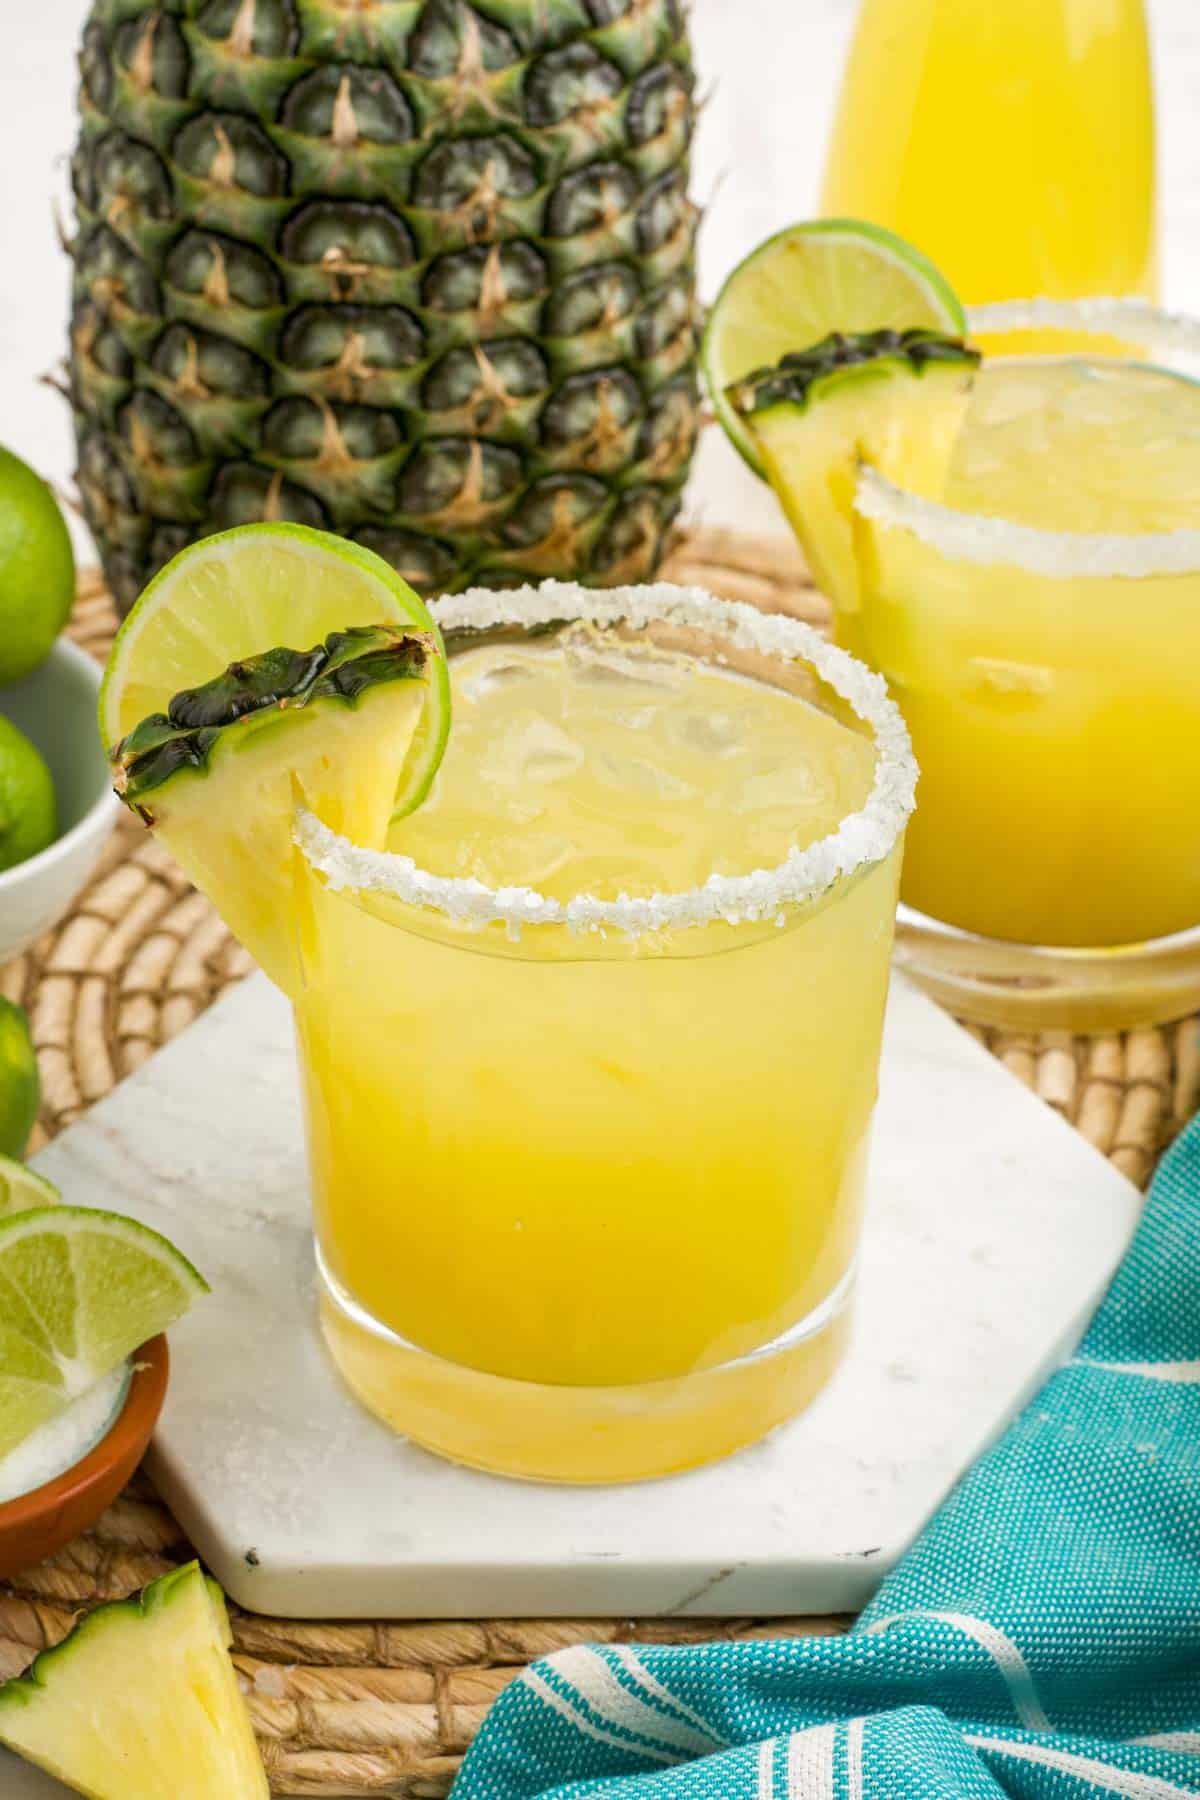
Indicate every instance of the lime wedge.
{"type": "Point", "coordinates": [821, 276]}
{"type": "Point", "coordinates": [23, 1190]}
{"type": "Point", "coordinates": [218, 622]}
{"type": "Point", "coordinates": [79, 1291]}
{"type": "Point", "coordinates": [141, 1701]}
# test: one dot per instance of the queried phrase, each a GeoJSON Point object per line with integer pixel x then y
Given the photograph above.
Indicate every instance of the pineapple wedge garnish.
{"type": "Point", "coordinates": [894, 399]}
{"type": "Point", "coordinates": [217, 734]}
{"type": "Point", "coordinates": [219, 774]}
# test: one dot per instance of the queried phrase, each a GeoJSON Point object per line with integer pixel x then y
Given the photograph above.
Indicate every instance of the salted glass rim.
{"type": "Point", "coordinates": [985, 539]}
{"type": "Point", "coordinates": [1101, 315]}
{"type": "Point", "coordinates": [861, 839]}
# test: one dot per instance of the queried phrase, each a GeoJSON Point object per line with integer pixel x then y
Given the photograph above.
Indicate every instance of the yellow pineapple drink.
{"type": "Point", "coordinates": [1049, 679]}
{"type": "Point", "coordinates": [589, 1051]}
{"type": "Point", "coordinates": [1013, 142]}
{"type": "Point", "coordinates": [1041, 630]}
{"type": "Point", "coordinates": [590, 1055]}
{"type": "Point", "coordinates": [1016, 549]}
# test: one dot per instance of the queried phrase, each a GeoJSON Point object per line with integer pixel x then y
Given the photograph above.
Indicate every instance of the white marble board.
{"type": "Point", "coordinates": [993, 1229]}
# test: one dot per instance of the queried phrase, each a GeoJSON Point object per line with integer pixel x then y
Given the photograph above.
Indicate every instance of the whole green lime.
{"type": "Point", "coordinates": [28, 810]}
{"type": "Point", "coordinates": [20, 1088]}
{"type": "Point", "coordinates": [37, 569]}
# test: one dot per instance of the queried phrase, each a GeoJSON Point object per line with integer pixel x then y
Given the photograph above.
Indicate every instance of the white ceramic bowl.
{"type": "Point", "coordinates": [56, 707]}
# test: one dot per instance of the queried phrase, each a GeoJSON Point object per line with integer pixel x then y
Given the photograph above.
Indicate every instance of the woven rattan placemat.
{"type": "Point", "coordinates": [388, 1709]}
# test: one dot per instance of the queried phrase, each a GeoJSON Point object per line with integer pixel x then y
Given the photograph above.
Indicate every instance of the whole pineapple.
{"type": "Point", "coordinates": [417, 271]}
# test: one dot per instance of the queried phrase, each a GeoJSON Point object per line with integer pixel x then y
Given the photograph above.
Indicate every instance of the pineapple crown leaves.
{"type": "Point", "coordinates": [256, 688]}
{"type": "Point", "coordinates": [792, 380]}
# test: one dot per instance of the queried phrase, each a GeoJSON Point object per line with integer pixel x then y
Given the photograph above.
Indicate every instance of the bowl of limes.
{"type": "Point", "coordinates": [83, 1366]}
{"type": "Point", "coordinates": [83, 1363]}
{"type": "Point", "coordinates": [56, 801]}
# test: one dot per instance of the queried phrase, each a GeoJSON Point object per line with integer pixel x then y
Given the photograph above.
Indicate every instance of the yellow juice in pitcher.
{"type": "Point", "coordinates": [1012, 140]}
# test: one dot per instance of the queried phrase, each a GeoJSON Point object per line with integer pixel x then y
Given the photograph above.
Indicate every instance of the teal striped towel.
{"type": "Point", "coordinates": [1041, 1640]}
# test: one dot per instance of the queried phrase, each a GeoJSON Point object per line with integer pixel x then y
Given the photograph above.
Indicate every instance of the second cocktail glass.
{"type": "Point", "coordinates": [1040, 631]}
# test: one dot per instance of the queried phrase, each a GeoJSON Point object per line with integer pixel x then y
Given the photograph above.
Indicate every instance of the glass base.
{"type": "Point", "coordinates": [1023, 986]}
{"type": "Point", "coordinates": [575, 1434]}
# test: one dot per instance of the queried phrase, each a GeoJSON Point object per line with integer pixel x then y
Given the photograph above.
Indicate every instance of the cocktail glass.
{"type": "Point", "coordinates": [1047, 672]}
{"type": "Point", "coordinates": [588, 1173]}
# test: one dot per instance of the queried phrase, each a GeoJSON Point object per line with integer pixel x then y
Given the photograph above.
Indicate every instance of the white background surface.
{"type": "Point", "coordinates": [770, 69]}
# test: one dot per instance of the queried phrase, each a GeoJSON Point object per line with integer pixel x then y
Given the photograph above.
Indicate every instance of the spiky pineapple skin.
{"type": "Point", "coordinates": [340, 669]}
{"type": "Point", "coordinates": [793, 380]}
{"type": "Point", "coordinates": [417, 271]}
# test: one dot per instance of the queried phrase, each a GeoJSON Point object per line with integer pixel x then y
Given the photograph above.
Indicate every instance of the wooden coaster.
{"type": "Point", "coordinates": [388, 1709]}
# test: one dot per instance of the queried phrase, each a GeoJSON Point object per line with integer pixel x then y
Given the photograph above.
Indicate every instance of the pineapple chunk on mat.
{"type": "Point", "coordinates": [141, 1702]}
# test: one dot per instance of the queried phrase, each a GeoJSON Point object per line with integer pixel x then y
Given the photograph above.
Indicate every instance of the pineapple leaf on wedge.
{"type": "Point", "coordinates": [894, 399]}
{"type": "Point", "coordinates": [201, 724]}
{"type": "Point", "coordinates": [141, 1701]}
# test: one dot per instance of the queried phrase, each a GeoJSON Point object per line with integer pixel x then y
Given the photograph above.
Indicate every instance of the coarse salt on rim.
{"type": "Point", "coordinates": [862, 838]}
{"type": "Point", "coordinates": [983, 539]}
{"type": "Point", "coordinates": [1064, 555]}
{"type": "Point", "coordinates": [1127, 318]}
